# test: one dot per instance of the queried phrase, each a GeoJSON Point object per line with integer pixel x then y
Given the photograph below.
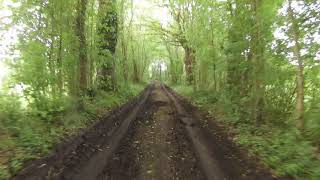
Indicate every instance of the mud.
{"type": "Point", "coordinates": [157, 135]}
{"type": "Point", "coordinates": [234, 161]}
{"type": "Point", "coordinates": [156, 147]}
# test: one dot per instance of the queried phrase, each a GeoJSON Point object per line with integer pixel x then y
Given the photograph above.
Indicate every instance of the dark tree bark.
{"type": "Point", "coordinates": [136, 78]}
{"type": "Point", "coordinates": [59, 63]}
{"type": "Point", "coordinates": [81, 34]}
{"type": "Point", "coordinates": [215, 77]}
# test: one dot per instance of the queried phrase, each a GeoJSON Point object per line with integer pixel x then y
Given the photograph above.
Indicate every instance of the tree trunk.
{"type": "Point", "coordinates": [134, 63]}
{"type": "Point", "coordinates": [172, 69]}
{"type": "Point", "coordinates": [300, 68]}
{"type": "Point", "coordinates": [51, 64]}
{"type": "Point", "coordinates": [258, 46]}
{"type": "Point", "coordinates": [125, 58]}
{"type": "Point", "coordinates": [81, 34]}
{"type": "Point", "coordinates": [108, 34]}
{"type": "Point", "coordinates": [92, 64]}
{"type": "Point", "coordinates": [124, 44]}
{"type": "Point", "coordinates": [136, 78]}
{"type": "Point", "coordinates": [59, 62]}
{"type": "Point", "coordinates": [215, 76]}
{"type": "Point", "coordinates": [52, 50]}
{"type": "Point", "coordinates": [233, 79]}
{"type": "Point", "coordinates": [189, 64]}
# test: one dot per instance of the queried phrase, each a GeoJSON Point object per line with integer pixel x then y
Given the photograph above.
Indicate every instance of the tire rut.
{"type": "Point", "coordinates": [156, 146]}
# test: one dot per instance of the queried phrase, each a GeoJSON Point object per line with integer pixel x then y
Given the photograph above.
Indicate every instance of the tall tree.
{"type": "Point", "coordinates": [124, 44]}
{"type": "Point", "coordinates": [295, 36]}
{"type": "Point", "coordinates": [258, 48]}
{"type": "Point", "coordinates": [81, 34]}
{"type": "Point", "coordinates": [238, 56]}
{"type": "Point", "coordinates": [108, 36]}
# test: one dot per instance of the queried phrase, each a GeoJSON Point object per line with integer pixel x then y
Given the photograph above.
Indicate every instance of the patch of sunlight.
{"type": "Point", "coordinates": [157, 68]}
{"type": "Point", "coordinates": [8, 37]}
{"type": "Point", "coordinates": [146, 10]}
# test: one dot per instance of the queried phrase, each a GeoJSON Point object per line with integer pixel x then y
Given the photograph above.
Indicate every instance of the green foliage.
{"type": "Point", "coordinates": [107, 100]}
{"type": "Point", "coordinates": [4, 174]}
{"type": "Point", "coordinates": [281, 150]}
{"type": "Point", "coordinates": [10, 108]}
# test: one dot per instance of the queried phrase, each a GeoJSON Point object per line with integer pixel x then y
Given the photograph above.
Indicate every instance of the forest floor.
{"type": "Point", "coordinates": [157, 135]}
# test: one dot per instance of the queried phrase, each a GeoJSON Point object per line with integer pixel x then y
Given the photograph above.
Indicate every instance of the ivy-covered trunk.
{"type": "Point", "coordinates": [108, 34]}
{"type": "Point", "coordinates": [189, 63]}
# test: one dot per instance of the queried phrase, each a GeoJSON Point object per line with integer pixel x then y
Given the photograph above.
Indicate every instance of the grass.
{"type": "Point", "coordinates": [28, 133]}
{"type": "Point", "coordinates": [281, 148]}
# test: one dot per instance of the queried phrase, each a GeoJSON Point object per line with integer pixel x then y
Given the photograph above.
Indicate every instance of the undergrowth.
{"type": "Point", "coordinates": [28, 132]}
{"type": "Point", "coordinates": [281, 148]}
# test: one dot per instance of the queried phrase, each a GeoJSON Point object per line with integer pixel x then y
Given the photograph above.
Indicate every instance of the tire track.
{"type": "Point", "coordinates": [156, 147]}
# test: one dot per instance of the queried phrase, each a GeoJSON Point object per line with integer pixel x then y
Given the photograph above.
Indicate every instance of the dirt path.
{"type": "Point", "coordinates": [156, 147]}
{"type": "Point", "coordinates": [155, 136]}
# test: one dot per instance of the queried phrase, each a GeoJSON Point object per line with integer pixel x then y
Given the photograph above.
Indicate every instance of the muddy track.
{"type": "Point", "coordinates": [84, 156]}
{"type": "Point", "coordinates": [157, 135]}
